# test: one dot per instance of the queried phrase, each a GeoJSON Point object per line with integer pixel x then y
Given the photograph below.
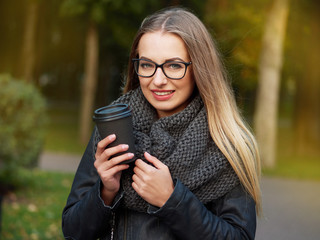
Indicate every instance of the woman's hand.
{"type": "Point", "coordinates": [153, 183]}
{"type": "Point", "coordinates": [109, 168]}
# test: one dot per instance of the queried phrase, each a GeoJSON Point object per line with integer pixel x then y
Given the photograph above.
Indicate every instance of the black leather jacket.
{"type": "Point", "coordinates": [183, 216]}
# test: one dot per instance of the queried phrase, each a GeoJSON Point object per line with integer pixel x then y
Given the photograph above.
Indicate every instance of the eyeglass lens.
{"type": "Point", "coordinates": [172, 69]}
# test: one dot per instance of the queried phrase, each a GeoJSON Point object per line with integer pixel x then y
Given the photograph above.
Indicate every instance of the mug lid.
{"type": "Point", "coordinates": [112, 112]}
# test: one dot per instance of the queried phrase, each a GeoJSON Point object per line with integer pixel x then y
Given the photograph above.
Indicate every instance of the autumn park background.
{"type": "Point", "coordinates": [61, 59]}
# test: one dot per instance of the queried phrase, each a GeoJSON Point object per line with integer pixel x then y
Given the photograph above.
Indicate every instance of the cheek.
{"type": "Point", "coordinates": [191, 89]}
{"type": "Point", "coordinates": [144, 87]}
{"type": "Point", "coordinates": [142, 83]}
{"type": "Point", "coordinates": [190, 85]}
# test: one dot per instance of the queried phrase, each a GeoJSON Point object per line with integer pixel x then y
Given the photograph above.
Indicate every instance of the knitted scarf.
{"type": "Point", "coordinates": [183, 143]}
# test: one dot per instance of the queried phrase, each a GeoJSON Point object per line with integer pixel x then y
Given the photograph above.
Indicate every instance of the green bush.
{"type": "Point", "coordinates": [22, 118]}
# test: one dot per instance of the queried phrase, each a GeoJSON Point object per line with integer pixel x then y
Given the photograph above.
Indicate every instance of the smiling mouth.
{"type": "Point", "coordinates": [163, 93]}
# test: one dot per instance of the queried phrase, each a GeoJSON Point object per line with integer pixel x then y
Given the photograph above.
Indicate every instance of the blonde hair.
{"type": "Point", "coordinates": [227, 128]}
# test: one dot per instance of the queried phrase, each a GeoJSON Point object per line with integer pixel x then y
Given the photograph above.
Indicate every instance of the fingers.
{"type": "Point", "coordinates": [142, 165]}
{"type": "Point", "coordinates": [108, 166]}
{"type": "Point", "coordinates": [137, 182]}
{"type": "Point", "coordinates": [103, 153]}
{"type": "Point", "coordinates": [156, 162]}
{"type": "Point", "coordinates": [147, 168]}
{"type": "Point", "coordinates": [109, 152]}
{"type": "Point", "coordinates": [142, 175]}
{"type": "Point", "coordinates": [105, 161]}
{"type": "Point", "coordinates": [104, 143]}
{"type": "Point", "coordinates": [110, 171]}
{"type": "Point", "coordinates": [106, 175]}
{"type": "Point", "coordinates": [153, 183]}
{"type": "Point", "coordinates": [140, 170]}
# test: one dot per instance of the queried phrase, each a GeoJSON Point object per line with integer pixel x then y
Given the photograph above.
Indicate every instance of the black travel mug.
{"type": "Point", "coordinates": [116, 119]}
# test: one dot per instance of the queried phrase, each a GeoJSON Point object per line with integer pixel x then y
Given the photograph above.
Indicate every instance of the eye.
{"type": "Point", "coordinates": [146, 65]}
{"type": "Point", "coordinates": [174, 65]}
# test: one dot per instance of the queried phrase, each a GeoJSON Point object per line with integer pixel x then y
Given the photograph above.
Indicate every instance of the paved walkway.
{"type": "Point", "coordinates": [59, 162]}
{"type": "Point", "coordinates": [291, 208]}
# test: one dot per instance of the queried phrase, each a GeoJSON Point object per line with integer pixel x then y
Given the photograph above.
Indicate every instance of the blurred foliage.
{"type": "Point", "coordinates": [301, 76]}
{"type": "Point", "coordinates": [62, 130]}
{"type": "Point", "coordinates": [22, 116]}
{"type": "Point", "coordinates": [237, 27]}
{"type": "Point", "coordinates": [60, 41]}
{"type": "Point", "coordinates": [118, 22]}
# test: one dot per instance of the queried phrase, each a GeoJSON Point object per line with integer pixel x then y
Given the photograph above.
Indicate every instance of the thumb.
{"type": "Point", "coordinates": [156, 162]}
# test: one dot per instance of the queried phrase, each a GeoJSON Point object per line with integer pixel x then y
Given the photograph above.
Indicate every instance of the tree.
{"type": "Point", "coordinates": [28, 56]}
{"type": "Point", "coordinates": [270, 65]}
{"type": "Point", "coordinates": [97, 13]}
{"type": "Point", "coordinates": [237, 28]}
{"type": "Point", "coordinates": [93, 10]}
{"type": "Point", "coordinates": [305, 57]}
{"type": "Point", "coordinates": [90, 84]}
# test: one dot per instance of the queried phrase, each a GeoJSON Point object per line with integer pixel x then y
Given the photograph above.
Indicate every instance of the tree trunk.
{"type": "Point", "coordinates": [28, 55]}
{"type": "Point", "coordinates": [1, 200]}
{"type": "Point", "coordinates": [90, 82]}
{"type": "Point", "coordinates": [307, 101]}
{"type": "Point", "coordinates": [270, 65]}
{"type": "Point", "coordinates": [307, 114]}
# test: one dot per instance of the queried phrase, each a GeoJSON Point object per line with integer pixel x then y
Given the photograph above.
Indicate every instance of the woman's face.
{"type": "Point", "coordinates": [166, 95]}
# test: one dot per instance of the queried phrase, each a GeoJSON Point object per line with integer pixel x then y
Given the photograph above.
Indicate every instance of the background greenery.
{"type": "Point", "coordinates": [22, 110]}
{"type": "Point", "coordinates": [34, 210]}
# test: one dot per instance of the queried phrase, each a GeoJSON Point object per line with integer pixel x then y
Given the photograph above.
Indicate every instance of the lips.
{"type": "Point", "coordinates": [162, 95]}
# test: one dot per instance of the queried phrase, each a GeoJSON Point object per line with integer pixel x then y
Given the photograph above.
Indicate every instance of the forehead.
{"type": "Point", "coordinates": [160, 46]}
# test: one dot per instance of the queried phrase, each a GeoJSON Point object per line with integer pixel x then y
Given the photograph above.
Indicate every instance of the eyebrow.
{"type": "Point", "coordinates": [167, 60]}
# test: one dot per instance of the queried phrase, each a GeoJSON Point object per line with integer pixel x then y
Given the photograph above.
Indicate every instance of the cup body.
{"type": "Point", "coordinates": [116, 119]}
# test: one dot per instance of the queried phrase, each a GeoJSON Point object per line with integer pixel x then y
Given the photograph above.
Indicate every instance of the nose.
{"type": "Point", "coordinates": [159, 78]}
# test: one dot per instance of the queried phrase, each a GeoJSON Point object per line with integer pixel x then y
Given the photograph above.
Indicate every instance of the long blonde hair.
{"type": "Point", "coordinates": [227, 128]}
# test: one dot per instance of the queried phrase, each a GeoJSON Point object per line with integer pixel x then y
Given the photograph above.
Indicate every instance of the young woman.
{"type": "Point", "coordinates": [197, 170]}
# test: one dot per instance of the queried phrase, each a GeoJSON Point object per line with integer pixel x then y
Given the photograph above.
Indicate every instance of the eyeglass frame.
{"type": "Point", "coordinates": [187, 64]}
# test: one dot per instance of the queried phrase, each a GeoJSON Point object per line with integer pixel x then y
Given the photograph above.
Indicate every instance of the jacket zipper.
{"type": "Point", "coordinates": [125, 224]}
{"type": "Point", "coordinates": [113, 225]}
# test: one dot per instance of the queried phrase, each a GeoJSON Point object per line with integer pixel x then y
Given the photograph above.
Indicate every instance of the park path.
{"type": "Point", "coordinates": [291, 208]}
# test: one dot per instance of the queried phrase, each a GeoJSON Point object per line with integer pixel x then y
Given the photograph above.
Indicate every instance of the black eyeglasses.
{"type": "Point", "coordinates": [171, 69]}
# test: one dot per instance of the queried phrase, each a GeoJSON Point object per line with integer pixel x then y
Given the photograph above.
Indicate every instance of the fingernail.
{"type": "Point", "coordinates": [112, 136]}
{"type": "Point", "coordinates": [147, 153]}
{"type": "Point", "coordinates": [124, 146]}
{"type": "Point", "coordinates": [130, 155]}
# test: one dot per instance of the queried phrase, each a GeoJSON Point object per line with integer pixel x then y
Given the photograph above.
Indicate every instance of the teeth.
{"type": "Point", "coordinates": [163, 93]}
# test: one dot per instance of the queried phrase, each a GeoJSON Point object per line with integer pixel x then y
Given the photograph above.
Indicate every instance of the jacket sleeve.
{"type": "Point", "coordinates": [233, 216]}
{"type": "Point", "coordinates": [85, 215]}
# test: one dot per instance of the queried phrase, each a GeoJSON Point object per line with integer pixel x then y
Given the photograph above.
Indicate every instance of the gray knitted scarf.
{"type": "Point", "coordinates": [183, 143]}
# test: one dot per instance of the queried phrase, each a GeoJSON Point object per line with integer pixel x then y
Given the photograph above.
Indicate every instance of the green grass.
{"type": "Point", "coordinates": [34, 211]}
{"type": "Point", "coordinates": [304, 165]}
{"type": "Point", "coordinates": [296, 167]}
